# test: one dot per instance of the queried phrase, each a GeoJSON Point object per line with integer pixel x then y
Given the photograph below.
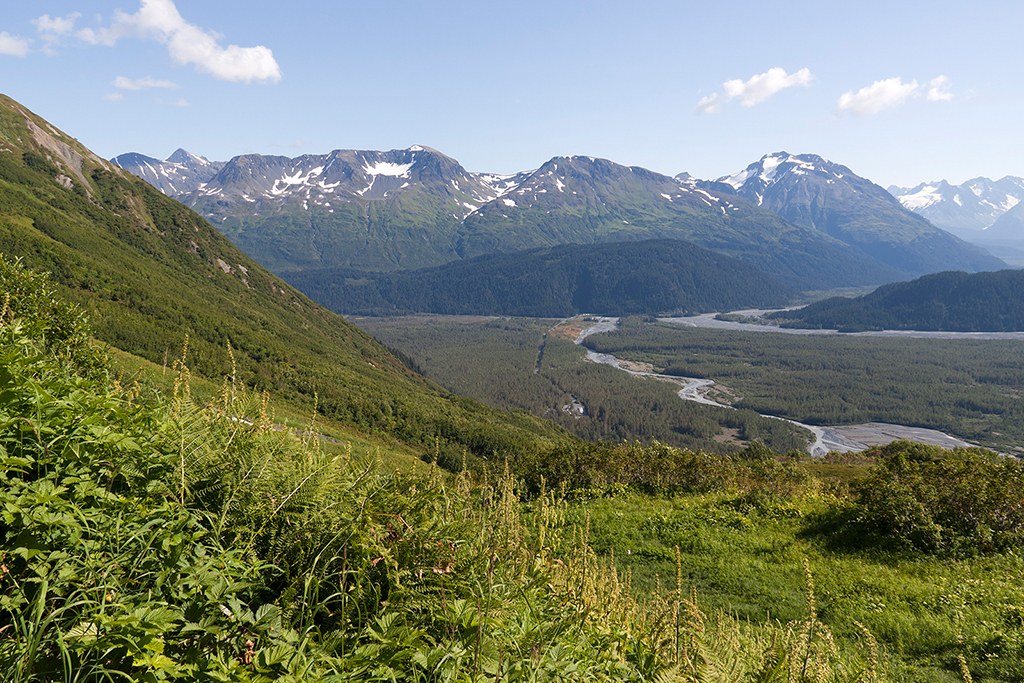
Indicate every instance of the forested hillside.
{"type": "Point", "coordinates": [952, 301]}
{"type": "Point", "coordinates": [609, 279]}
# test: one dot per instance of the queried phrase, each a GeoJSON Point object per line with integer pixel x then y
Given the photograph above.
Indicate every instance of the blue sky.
{"type": "Point", "coordinates": [901, 92]}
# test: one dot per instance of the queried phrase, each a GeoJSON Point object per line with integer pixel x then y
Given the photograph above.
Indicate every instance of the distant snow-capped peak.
{"type": "Point", "coordinates": [772, 166]}
{"type": "Point", "coordinates": [178, 174]}
{"type": "Point", "coordinates": [971, 206]}
{"type": "Point", "coordinates": [182, 156]}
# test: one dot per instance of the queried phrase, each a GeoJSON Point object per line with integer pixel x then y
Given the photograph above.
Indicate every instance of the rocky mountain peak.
{"type": "Point", "coordinates": [816, 193]}
{"type": "Point", "coordinates": [753, 181]}
{"type": "Point", "coordinates": [181, 156]}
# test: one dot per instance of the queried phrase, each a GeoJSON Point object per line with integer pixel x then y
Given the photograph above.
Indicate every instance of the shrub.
{"type": "Point", "coordinates": [930, 499]}
{"type": "Point", "coordinates": [61, 326]}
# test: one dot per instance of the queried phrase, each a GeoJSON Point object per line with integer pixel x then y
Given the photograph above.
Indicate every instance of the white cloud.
{"type": "Point", "coordinates": [880, 95]}
{"type": "Point", "coordinates": [50, 29]}
{"type": "Point", "coordinates": [182, 103]}
{"type": "Point", "coordinates": [16, 46]}
{"type": "Point", "coordinates": [712, 104]}
{"type": "Point", "coordinates": [115, 97]}
{"type": "Point", "coordinates": [123, 83]}
{"type": "Point", "coordinates": [759, 88]}
{"type": "Point", "coordinates": [159, 20]}
{"type": "Point", "coordinates": [754, 91]}
{"type": "Point", "coordinates": [939, 90]}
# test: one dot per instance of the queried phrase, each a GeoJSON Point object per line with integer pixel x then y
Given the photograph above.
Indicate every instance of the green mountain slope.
{"type": "Point", "coordinates": [150, 271]}
{"type": "Point", "coordinates": [951, 301]}
{"type": "Point", "coordinates": [609, 279]}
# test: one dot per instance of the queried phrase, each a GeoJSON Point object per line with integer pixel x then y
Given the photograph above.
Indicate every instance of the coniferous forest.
{"type": "Point", "coordinates": [623, 278]}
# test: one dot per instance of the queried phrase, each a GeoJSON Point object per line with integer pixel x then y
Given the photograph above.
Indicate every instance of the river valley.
{"type": "Point", "coordinates": [845, 438]}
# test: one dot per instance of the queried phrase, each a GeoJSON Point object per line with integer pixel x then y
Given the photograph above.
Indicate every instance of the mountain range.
{"type": "Point", "coordinates": [816, 193]}
{"type": "Point", "coordinates": [964, 209]}
{"type": "Point", "coordinates": [810, 223]}
{"type": "Point", "coordinates": [180, 173]}
{"type": "Point", "coordinates": [989, 213]}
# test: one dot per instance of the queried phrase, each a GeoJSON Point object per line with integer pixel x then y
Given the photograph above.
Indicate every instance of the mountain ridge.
{"type": "Point", "coordinates": [416, 208]}
{"type": "Point", "coordinates": [179, 173]}
{"type": "Point", "coordinates": [963, 209]}
{"type": "Point", "coordinates": [816, 193]}
{"type": "Point", "coordinates": [398, 218]}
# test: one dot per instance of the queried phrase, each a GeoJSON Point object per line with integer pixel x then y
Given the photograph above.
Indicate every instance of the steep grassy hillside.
{"type": "Point", "coordinates": [150, 272]}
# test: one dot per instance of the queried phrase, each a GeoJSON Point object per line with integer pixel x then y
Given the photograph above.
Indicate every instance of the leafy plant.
{"type": "Point", "coordinates": [930, 499]}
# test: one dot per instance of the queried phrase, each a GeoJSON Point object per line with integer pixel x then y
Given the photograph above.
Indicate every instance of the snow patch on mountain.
{"type": "Point", "coordinates": [926, 196]}
{"type": "Point", "coordinates": [389, 169]}
{"type": "Point", "coordinates": [297, 179]}
{"type": "Point", "coordinates": [768, 168]}
{"type": "Point", "coordinates": [366, 189]}
{"type": "Point", "coordinates": [500, 185]}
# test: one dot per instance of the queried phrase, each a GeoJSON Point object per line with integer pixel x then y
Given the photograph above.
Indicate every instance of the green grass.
{"type": "Point", "coordinates": [337, 438]}
{"type": "Point", "coordinates": [924, 610]}
{"type": "Point", "coordinates": [187, 540]}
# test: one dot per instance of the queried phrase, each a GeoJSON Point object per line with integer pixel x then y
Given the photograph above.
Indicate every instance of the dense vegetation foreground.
{"type": "Point", "coordinates": [158, 538]}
